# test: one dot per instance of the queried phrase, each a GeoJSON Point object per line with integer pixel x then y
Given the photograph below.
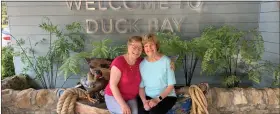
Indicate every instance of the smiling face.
{"type": "Point", "coordinates": [150, 48]}
{"type": "Point", "coordinates": [135, 49]}
{"type": "Point", "coordinates": [151, 45]}
{"type": "Point", "coordinates": [134, 46]}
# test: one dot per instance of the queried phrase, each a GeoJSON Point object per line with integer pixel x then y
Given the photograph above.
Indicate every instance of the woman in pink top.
{"type": "Point", "coordinates": [123, 87]}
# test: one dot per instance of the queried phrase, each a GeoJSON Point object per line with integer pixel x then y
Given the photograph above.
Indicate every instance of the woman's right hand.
{"type": "Point", "coordinates": [126, 109]}
{"type": "Point", "coordinates": [146, 105]}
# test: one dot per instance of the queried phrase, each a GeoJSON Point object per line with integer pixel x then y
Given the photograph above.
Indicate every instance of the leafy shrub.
{"type": "Point", "coordinates": [188, 52]}
{"type": "Point", "coordinates": [231, 51]}
{"type": "Point", "coordinates": [276, 76]}
{"type": "Point", "coordinates": [7, 66]}
{"type": "Point", "coordinates": [101, 49]}
{"type": "Point", "coordinates": [61, 44]}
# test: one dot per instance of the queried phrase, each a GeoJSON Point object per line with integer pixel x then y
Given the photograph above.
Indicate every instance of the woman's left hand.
{"type": "Point", "coordinates": [153, 102]}
{"type": "Point", "coordinates": [172, 65]}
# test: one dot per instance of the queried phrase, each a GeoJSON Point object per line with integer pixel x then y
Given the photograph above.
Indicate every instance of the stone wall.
{"type": "Point", "coordinates": [29, 101]}
{"type": "Point", "coordinates": [220, 101]}
{"type": "Point", "coordinates": [244, 101]}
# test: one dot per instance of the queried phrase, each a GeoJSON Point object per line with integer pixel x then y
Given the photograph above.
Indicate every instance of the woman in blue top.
{"type": "Point", "coordinates": [157, 85]}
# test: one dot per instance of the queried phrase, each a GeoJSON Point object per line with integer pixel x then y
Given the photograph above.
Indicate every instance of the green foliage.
{"type": "Point", "coordinates": [188, 52]}
{"type": "Point", "coordinates": [172, 45]}
{"type": "Point", "coordinates": [230, 49]}
{"type": "Point", "coordinates": [101, 49]}
{"type": "Point", "coordinates": [7, 66]}
{"type": "Point", "coordinates": [276, 76]}
{"type": "Point", "coordinates": [4, 15]}
{"type": "Point", "coordinates": [61, 44]}
{"type": "Point", "coordinates": [231, 81]}
{"type": "Point", "coordinates": [72, 64]}
{"type": "Point", "coordinates": [116, 51]}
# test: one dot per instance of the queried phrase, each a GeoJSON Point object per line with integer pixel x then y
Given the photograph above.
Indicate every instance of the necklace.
{"type": "Point", "coordinates": [129, 62]}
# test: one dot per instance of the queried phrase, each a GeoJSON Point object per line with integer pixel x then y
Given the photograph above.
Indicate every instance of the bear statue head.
{"type": "Point", "coordinates": [100, 67]}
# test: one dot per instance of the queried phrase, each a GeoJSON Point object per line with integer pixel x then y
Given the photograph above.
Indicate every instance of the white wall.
{"type": "Point", "coordinates": [269, 27]}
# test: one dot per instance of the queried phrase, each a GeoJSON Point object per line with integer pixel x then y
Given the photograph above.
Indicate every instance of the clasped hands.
{"type": "Point", "coordinates": [148, 104]}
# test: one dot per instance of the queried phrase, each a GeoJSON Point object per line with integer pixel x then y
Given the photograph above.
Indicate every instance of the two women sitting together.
{"type": "Point", "coordinates": [152, 78]}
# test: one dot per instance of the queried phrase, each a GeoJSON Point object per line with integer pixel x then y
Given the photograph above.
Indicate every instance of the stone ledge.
{"type": "Point", "coordinates": [220, 101]}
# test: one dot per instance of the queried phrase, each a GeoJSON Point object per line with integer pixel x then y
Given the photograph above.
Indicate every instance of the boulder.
{"type": "Point", "coordinates": [15, 82]}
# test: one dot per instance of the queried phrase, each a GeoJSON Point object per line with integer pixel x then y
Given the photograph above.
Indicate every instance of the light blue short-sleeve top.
{"type": "Point", "coordinates": [156, 76]}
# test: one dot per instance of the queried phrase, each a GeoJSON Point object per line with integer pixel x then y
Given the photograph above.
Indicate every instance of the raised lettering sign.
{"type": "Point", "coordinates": [139, 22]}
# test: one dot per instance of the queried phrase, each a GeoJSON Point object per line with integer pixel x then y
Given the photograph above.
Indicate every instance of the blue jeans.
{"type": "Point", "coordinates": [115, 108]}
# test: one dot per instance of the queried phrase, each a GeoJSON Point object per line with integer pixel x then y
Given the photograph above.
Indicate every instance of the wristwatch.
{"type": "Point", "coordinates": [159, 97]}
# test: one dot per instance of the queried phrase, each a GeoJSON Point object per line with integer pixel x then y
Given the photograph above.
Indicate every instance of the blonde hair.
{"type": "Point", "coordinates": [134, 39]}
{"type": "Point", "coordinates": [150, 38]}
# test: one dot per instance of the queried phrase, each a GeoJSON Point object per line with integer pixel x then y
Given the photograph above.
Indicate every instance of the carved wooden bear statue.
{"type": "Point", "coordinates": [97, 78]}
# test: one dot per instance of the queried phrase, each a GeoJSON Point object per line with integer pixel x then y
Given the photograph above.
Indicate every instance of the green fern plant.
{"type": "Point", "coordinates": [188, 52]}
{"type": "Point", "coordinates": [46, 66]}
{"type": "Point", "coordinates": [231, 81]}
{"type": "Point", "coordinates": [229, 49]}
{"type": "Point", "coordinates": [72, 64]}
{"type": "Point", "coordinates": [172, 45]}
{"type": "Point", "coordinates": [101, 49]}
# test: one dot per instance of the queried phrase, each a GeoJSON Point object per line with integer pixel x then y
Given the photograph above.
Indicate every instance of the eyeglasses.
{"type": "Point", "coordinates": [136, 47]}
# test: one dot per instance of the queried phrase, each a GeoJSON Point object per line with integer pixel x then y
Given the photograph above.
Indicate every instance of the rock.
{"type": "Point", "coordinates": [44, 112]}
{"type": "Point", "coordinates": [212, 110]}
{"type": "Point", "coordinates": [273, 107]}
{"type": "Point", "coordinates": [258, 112]}
{"type": "Point", "coordinates": [277, 93]}
{"type": "Point", "coordinates": [261, 106]}
{"type": "Point", "coordinates": [265, 96]}
{"type": "Point", "coordinates": [224, 98]}
{"type": "Point", "coordinates": [86, 109]}
{"type": "Point", "coordinates": [239, 97]}
{"type": "Point", "coordinates": [275, 111]}
{"type": "Point", "coordinates": [7, 97]}
{"type": "Point", "coordinates": [23, 98]}
{"type": "Point", "coordinates": [6, 110]}
{"type": "Point", "coordinates": [28, 100]}
{"type": "Point", "coordinates": [254, 96]}
{"type": "Point", "coordinates": [46, 98]}
{"type": "Point", "coordinates": [15, 82]}
{"type": "Point", "coordinates": [246, 108]}
{"type": "Point", "coordinates": [272, 97]}
{"type": "Point", "coordinates": [41, 97]}
{"type": "Point", "coordinates": [220, 101]}
{"type": "Point", "coordinates": [229, 109]}
{"type": "Point", "coordinates": [209, 97]}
